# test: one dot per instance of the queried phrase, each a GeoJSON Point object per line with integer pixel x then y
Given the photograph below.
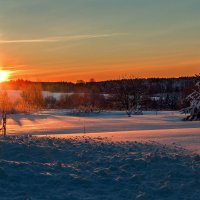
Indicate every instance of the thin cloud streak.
{"type": "Point", "coordinates": [62, 38]}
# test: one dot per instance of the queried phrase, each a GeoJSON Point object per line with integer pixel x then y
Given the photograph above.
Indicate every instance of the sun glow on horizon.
{"type": "Point", "coordinates": [3, 76]}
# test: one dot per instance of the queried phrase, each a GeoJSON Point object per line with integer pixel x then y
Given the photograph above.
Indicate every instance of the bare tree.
{"type": "Point", "coordinates": [50, 102]}
{"type": "Point", "coordinates": [129, 92]}
{"type": "Point", "coordinates": [5, 103]}
{"type": "Point", "coordinates": [32, 98]}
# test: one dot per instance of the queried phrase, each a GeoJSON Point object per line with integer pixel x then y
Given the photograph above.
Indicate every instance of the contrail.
{"type": "Point", "coordinates": [61, 38]}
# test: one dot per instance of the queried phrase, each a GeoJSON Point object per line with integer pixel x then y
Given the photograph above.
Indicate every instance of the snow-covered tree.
{"type": "Point", "coordinates": [194, 99]}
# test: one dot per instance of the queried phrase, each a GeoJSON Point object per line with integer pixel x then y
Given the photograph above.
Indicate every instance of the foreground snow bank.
{"type": "Point", "coordinates": [85, 168]}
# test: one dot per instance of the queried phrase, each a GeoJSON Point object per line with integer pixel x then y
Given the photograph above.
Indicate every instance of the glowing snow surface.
{"type": "Point", "coordinates": [165, 127]}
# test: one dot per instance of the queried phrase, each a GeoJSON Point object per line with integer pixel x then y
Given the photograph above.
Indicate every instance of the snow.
{"type": "Point", "coordinates": [47, 155]}
{"type": "Point", "coordinates": [84, 168]}
{"type": "Point", "coordinates": [187, 138]}
{"type": "Point", "coordinates": [15, 94]}
{"type": "Point", "coordinates": [165, 127]}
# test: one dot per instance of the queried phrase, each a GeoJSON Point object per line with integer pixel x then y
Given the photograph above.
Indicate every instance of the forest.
{"type": "Point", "coordinates": [126, 93]}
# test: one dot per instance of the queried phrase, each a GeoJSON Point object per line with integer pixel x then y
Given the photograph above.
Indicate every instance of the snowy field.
{"type": "Point", "coordinates": [166, 127]}
{"type": "Point", "coordinates": [100, 156]}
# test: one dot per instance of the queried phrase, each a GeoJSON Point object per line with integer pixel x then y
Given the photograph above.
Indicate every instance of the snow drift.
{"type": "Point", "coordinates": [85, 168]}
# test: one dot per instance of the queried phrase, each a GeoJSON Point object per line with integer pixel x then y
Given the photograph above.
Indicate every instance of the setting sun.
{"type": "Point", "coordinates": [3, 76]}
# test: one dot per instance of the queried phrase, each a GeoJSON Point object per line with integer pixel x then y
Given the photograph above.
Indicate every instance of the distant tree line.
{"type": "Point", "coordinates": [127, 93]}
{"type": "Point", "coordinates": [152, 85]}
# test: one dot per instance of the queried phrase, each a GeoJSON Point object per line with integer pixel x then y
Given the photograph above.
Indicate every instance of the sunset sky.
{"type": "Point", "coordinates": [68, 40]}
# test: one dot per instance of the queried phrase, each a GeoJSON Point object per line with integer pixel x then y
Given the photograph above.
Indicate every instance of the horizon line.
{"type": "Point", "coordinates": [98, 81]}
